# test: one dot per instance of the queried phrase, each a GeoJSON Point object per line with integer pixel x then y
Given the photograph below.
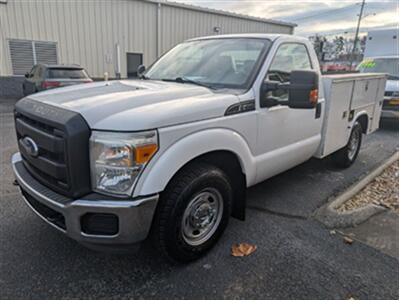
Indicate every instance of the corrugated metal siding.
{"type": "Point", "coordinates": [3, 61]}
{"type": "Point", "coordinates": [86, 32]}
{"type": "Point", "coordinates": [179, 24]}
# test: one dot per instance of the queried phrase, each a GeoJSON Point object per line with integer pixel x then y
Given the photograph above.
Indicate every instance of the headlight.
{"type": "Point", "coordinates": [116, 159]}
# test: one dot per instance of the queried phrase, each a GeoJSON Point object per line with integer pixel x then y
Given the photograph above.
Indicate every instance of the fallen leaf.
{"type": "Point", "coordinates": [348, 241]}
{"type": "Point", "coordinates": [243, 249]}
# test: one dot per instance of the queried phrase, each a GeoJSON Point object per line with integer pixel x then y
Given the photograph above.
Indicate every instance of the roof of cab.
{"type": "Point", "coordinates": [271, 37]}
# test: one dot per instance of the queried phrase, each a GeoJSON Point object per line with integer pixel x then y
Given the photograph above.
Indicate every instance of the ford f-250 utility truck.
{"type": "Point", "coordinates": [170, 155]}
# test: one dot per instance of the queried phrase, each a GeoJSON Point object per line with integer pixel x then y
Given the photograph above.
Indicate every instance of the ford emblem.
{"type": "Point", "coordinates": [31, 146]}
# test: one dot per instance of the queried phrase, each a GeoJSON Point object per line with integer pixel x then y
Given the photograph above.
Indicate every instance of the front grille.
{"type": "Point", "coordinates": [61, 136]}
{"type": "Point", "coordinates": [50, 164]}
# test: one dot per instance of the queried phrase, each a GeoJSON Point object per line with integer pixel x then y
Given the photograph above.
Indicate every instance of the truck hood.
{"type": "Point", "coordinates": [132, 105]}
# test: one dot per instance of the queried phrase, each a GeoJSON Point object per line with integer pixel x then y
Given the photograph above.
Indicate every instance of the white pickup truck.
{"type": "Point", "coordinates": [171, 154]}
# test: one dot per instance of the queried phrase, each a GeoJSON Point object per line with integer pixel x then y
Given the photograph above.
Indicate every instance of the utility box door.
{"type": "Point", "coordinates": [336, 126]}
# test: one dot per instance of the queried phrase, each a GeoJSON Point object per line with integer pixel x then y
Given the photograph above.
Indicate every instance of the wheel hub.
{"type": "Point", "coordinates": [202, 216]}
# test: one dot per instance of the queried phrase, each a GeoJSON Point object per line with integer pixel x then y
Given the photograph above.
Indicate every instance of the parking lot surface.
{"type": "Point", "coordinates": [296, 257]}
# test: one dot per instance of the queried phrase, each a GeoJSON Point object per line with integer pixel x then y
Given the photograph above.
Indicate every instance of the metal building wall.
{"type": "Point", "coordinates": [3, 59]}
{"type": "Point", "coordinates": [179, 24]}
{"type": "Point", "coordinates": [86, 32]}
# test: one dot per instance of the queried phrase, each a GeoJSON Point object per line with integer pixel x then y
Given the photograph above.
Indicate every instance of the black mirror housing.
{"type": "Point", "coordinates": [140, 71]}
{"type": "Point", "coordinates": [302, 91]}
{"type": "Point", "coordinates": [26, 75]}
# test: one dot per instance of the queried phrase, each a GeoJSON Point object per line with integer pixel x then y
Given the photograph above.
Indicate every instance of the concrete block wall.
{"type": "Point", "coordinates": [11, 87]}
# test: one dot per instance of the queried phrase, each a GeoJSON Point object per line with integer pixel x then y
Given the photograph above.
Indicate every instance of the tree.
{"type": "Point", "coordinates": [339, 43]}
{"type": "Point", "coordinates": [318, 44]}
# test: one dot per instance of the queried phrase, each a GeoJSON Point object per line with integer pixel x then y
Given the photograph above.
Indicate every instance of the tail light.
{"type": "Point", "coordinates": [50, 84]}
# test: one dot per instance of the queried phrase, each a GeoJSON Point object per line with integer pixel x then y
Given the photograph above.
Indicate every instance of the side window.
{"type": "Point", "coordinates": [289, 57]}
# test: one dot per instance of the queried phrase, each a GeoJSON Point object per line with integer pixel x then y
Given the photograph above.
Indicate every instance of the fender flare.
{"type": "Point", "coordinates": [360, 114]}
{"type": "Point", "coordinates": [161, 170]}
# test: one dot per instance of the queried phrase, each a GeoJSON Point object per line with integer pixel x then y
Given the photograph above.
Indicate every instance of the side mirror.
{"type": "Point", "coordinates": [303, 89]}
{"type": "Point", "coordinates": [140, 71]}
{"type": "Point", "coordinates": [27, 75]}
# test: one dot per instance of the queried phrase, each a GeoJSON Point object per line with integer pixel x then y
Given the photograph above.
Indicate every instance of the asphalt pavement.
{"type": "Point", "coordinates": [296, 257]}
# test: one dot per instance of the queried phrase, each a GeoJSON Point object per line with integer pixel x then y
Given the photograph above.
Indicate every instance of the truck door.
{"type": "Point", "coordinates": [286, 137]}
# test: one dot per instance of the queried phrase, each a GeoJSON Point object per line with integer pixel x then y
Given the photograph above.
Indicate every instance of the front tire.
{"type": "Point", "coordinates": [346, 156]}
{"type": "Point", "coordinates": [193, 212]}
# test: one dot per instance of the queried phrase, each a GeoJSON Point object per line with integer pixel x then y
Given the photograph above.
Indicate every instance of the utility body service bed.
{"type": "Point", "coordinates": [347, 96]}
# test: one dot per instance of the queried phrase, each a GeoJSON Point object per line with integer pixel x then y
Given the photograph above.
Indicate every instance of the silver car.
{"type": "Point", "coordinates": [390, 66]}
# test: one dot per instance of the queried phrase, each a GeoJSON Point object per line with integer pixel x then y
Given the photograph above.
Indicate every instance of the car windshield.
{"type": "Point", "coordinates": [67, 73]}
{"type": "Point", "coordinates": [389, 66]}
{"type": "Point", "coordinates": [216, 63]}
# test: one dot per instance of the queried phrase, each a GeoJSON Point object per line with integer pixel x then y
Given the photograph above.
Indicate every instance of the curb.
{"type": "Point", "coordinates": [331, 218]}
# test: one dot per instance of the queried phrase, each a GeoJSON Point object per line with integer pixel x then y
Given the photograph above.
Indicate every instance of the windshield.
{"type": "Point", "coordinates": [216, 63]}
{"type": "Point", "coordinates": [381, 65]}
{"type": "Point", "coordinates": [67, 73]}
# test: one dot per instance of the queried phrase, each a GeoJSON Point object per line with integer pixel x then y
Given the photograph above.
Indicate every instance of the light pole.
{"type": "Point", "coordinates": [357, 33]}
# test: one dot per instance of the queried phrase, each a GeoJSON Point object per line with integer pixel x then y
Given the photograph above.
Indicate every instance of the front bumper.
{"type": "Point", "coordinates": [134, 217]}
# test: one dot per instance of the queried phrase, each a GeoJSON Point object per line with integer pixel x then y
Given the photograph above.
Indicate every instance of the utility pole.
{"type": "Point", "coordinates": [357, 33]}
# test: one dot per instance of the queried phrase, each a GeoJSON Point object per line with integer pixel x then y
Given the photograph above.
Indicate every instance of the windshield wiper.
{"type": "Point", "coordinates": [187, 80]}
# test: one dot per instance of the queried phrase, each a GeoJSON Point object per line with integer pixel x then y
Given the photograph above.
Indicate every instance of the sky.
{"type": "Point", "coordinates": [328, 17]}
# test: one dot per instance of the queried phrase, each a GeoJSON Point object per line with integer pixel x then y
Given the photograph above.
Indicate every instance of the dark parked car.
{"type": "Point", "coordinates": [44, 77]}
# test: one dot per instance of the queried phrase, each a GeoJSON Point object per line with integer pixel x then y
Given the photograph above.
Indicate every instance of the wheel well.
{"type": "Point", "coordinates": [229, 163]}
{"type": "Point", "coordinates": [363, 120]}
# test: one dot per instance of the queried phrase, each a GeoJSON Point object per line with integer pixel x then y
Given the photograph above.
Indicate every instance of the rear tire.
{"type": "Point", "coordinates": [346, 156]}
{"type": "Point", "coordinates": [192, 213]}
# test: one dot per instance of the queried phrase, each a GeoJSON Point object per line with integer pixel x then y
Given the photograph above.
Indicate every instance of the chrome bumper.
{"type": "Point", "coordinates": [134, 216]}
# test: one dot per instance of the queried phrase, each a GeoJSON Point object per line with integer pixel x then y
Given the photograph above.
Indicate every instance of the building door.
{"type": "Point", "coordinates": [134, 60]}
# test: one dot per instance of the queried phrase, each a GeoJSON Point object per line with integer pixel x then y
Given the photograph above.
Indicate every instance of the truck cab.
{"type": "Point", "coordinates": [170, 155]}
